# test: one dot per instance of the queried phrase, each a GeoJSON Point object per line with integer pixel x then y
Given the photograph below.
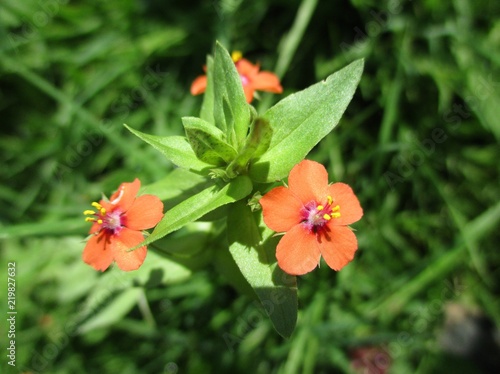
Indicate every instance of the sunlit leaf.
{"type": "Point", "coordinates": [301, 120]}
{"type": "Point", "coordinates": [200, 204]}
{"type": "Point", "coordinates": [207, 141]}
{"type": "Point", "coordinates": [175, 148]}
{"type": "Point", "coordinates": [253, 248]}
{"type": "Point", "coordinates": [231, 111]}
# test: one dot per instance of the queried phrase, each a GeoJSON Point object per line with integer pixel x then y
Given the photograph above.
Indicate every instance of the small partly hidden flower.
{"type": "Point", "coordinates": [117, 228]}
{"type": "Point", "coordinates": [370, 360]}
{"type": "Point", "coordinates": [314, 216]}
{"type": "Point", "coordinates": [251, 77]}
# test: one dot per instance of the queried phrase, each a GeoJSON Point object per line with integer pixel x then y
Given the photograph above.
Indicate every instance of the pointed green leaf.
{"type": "Point", "coordinates": [207, 107]}
{"type": "Point", "coordinates": [177, 186]}
{"type": "Point", "coordinates": [253, 248]}
{"type": "Point", "coordinates": [231, 111]}
{"type": "Point", "coordinates": [301, 120]}
{"type": "Point", "coordinates": [207, 141]}
{"type": "Point", "coordinates": [175, 148]}
{"type": "Point", "coordinates": [200, 204]}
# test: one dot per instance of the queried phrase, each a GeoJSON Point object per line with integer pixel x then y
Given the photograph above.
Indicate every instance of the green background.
{"type": "Point", "coordinates": [419, 144]}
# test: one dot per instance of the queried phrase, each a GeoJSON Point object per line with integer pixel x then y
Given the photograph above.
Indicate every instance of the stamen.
{"type": "Point", "coordinates": [336, 215]}
{"type": "Point", "coordinates": [96, 205]}
{"type": "Point", "coordinates": [91, 219]}
{"type": "Point", "coordinates": [327, 216]}
{"type": "Point", "coordinates": [336, 208]}
{"type": "Point", "coordinates": [330, 200]}
{"type": "Point", "coordinates": [89, 212]}
{"type": "Point", "coordinates": [320, 208]}
{"type": "Point", "coordinates": [236, 56]}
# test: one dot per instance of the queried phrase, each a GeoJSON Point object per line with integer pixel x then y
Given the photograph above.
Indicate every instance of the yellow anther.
{"type": "Point", "coordinates": [92, 219]}
{"type": "Point", "coordinates": [336, 215]}
{"type": "Point", "coordinates": [87, 212]}
{"type": "Point", "coordinates": [236, 56]}
{"type": "Point", "coordinates": [327, 217]}
{"type": "Point", "coordinates": [96, 205]}
{"type": "Point", "coordinates": [330, 200]}
{"type": "Point", "coordinates": [102, 210]}
{"type": "Point", "coordinates": [336, 208]}
{"type": "Point", "coordinates": [320, 207]}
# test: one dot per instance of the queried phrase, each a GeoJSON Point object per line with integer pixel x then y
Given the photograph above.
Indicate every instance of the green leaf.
{"type": "Point", "coordinates": [231, 111]}
{"type": "Point", "coordinates": [256, 144]}
{"type": "Point", "coordinates": [56, 227]}
{"type": "Point", "coordinates": [112, 313]}
{"type": "Point", "coordinates": [207, 141]}
{"type": "Point", "coordinates": [178, 184]}
{"type": "Point", "coordinates": [200, 204]}
{"type": "Point", "coordinates": [225, 265]}
{"type": "Point", "coordinates": [301, 120]}
{"type": "Point", "coordinates": [207, 107]}
{"type": "Point", "coordinates": [253, 248]}
{"type": "Point", "coordinates": [175, 148]}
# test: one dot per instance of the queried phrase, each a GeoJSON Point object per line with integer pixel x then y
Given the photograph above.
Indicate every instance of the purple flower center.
{"type": "Point", "coordinates": [315, 216]}
{"type": "Point", "coordinates": [244, 80]}
{"type": "Point", "coordinates": [113, 221]}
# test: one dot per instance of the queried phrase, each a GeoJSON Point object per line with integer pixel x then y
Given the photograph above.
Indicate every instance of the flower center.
{"type": "Point", "coordinates": [110, 221]}
{"type": "Point", "coordinates": [244, 80]}
{"type": "Point", "coordinates": [315, 216]}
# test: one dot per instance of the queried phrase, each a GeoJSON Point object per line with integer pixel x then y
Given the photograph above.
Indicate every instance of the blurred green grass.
{"type": "Point", "coordinates": [419, 144]}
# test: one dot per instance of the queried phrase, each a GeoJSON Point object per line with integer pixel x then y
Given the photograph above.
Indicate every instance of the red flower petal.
{"type": "Point", "coordinates": [125, 195]}
{"type": "Point", "coordinates": [267, 81]}
{"type": "Point", "coordinates": [199, 85]}
{"type": "Point", "coordinates": [125, 259]}
{"type": "Point", "coordinates": [249, 91]}
{"type": "Point", "coordinates": [338, 247]}
{"type": "Point", "coordinates": [245, 67]}
{"type": "Point", "coordinates": [95, 228]}
{"type": "Point", "coordinates": [281, 209]}
{"type": "Point", "coordinates": [98, 252]}
{"type": "Point", "coordinates": [344, 197]}
{"type": "Point", "coordinates": [145, 212]}
{"type": "Point", "coordinates": [308, 180]}
{"type": "Point", "coordinates": [298, 251]}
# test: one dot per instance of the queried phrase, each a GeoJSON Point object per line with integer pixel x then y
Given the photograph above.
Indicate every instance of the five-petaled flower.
{"type": "Point", "coordinates": [314, 216]}
{"type": "Point", "coordinates": [117, 225]}
{"type": "Point", "coordinates": [251, 77]}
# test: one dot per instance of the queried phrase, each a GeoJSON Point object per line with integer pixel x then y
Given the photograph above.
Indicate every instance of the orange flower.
{"type": "Point", "coordinates": [251, 78]}
{"type": "Point", "coordinates": [314, 216]}
{"type": "Point", "coordinates": [117, 226]}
